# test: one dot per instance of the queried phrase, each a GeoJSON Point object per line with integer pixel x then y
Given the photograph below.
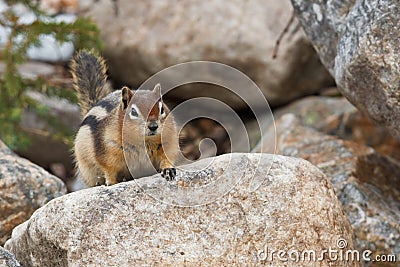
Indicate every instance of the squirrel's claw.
{"type": "Point", "coordinates": [169, 174]}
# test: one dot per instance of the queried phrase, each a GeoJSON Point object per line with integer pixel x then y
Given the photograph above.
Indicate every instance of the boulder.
{"type": "Point", "coordinates": [7, 259]}
{"type": "Point", "coordinates": [277, 203]}
{"type": "Point", "coordinates": [337, 116]}
{"type": "Point", "coordinates": [358, 43]}
{"type": "Point", "coordinates": [32, 70]}
{"type": "Point", "coordinates": [24, 187]}
{"type": "Point", "coordinates": [144, 37]}
{"type": "Point", "coordinates": [366, 183]}
{"type": "Point", "coordinates": [49, 146]}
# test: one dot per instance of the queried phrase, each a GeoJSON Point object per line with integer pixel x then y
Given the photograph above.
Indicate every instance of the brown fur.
{"type": "Point", "coordinates": [89, 79]}
{"type": "Point", "coordinates": [110, 146]}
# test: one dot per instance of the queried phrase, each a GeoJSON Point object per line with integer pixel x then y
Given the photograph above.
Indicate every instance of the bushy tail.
{"type": "Point", "coordinates": [89, 79]}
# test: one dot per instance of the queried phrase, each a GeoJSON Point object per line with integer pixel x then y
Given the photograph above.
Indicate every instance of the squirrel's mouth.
{"type": "Point", "coordinates": [151, 133]}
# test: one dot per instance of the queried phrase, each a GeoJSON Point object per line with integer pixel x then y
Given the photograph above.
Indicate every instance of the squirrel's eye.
{"type": "Point", "coordinates": [134, 112]}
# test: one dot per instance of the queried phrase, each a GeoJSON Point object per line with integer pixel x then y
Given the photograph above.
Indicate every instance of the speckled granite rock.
{"type": "Point", "coordinates": [241, 34]}
{"type": "Point", "coordinates": [24, 187]}
{"type": "Point", "coordinates": [293, 207]}
{"type": "Point", "coordinates": [7, 259]}
{"type": "Point", "coordinates": [358, 43]}
{"type": "Point", "coordinates": [337, 116]}
{"type": "Point", "coordinates": [367, 184]}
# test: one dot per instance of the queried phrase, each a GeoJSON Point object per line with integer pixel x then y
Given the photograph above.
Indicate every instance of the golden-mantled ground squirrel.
{"type": "Point", "coordinates": [120, 129]}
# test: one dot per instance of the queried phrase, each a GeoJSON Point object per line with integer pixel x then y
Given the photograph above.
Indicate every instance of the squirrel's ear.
{"type": "Point", "coordinates": [157, 90]}
{"type": "Point", "coordinates": [126, 96]}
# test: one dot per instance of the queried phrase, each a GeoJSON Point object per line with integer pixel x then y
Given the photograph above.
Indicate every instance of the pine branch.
{"type": "Point", "coordinates": [83, 33]}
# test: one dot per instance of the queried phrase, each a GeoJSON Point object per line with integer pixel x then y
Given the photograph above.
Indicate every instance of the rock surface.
{"type": "Point", "coordinates": [337, 116]}
{"type": "Point", "coordinates": [7, 259]}
{"type": "Point", "coordinates": [241, 34]}
{"type": "Point", "coordinates": [47, 149]}
{"type": "Point", "coordinates": [32, 70]}
{"type": "Point", "coordinates": [366, 183]}
{"type": "Point", "coordinates": [292, 207]}
{"type": "Point", "coordinates": [24, 187]}
{"type": "Point", "coordinates": [358, 42]}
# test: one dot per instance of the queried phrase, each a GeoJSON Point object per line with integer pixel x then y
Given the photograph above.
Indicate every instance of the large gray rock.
{"type": "Point", "coordinates": [32, 70]}
{"type": "Point", "coordinates": [289, 205]}
{"type": "Point", "coordinates": [48, 146]}
{"type": "Point", "coordinates": [7, 259]}
{"type": "Point", "coordinates": [358, 42]}
{"type": "Point", "coordinates": [24, 187]}
{"type": "Point", "coordinates": [144, 37]}
{"type": "Point", "coordinates": [367, 183]}
{"type": "Point", "coordinates": [337, 116]}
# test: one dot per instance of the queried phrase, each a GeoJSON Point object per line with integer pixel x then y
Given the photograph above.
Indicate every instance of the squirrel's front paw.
{"type": "Point", "coordinates": [169, 173]}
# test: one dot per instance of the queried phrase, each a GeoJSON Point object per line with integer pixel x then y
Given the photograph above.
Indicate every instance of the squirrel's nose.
{"type": "Point", "coordinates": [153, 126]}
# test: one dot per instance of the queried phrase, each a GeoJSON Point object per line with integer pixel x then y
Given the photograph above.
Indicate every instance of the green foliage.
{"type": "Point", "coordinates": [13, 100]}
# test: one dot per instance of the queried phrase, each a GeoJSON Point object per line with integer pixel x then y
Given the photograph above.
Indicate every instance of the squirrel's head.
{"type": "Point", "coordinates": [144, 111]}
